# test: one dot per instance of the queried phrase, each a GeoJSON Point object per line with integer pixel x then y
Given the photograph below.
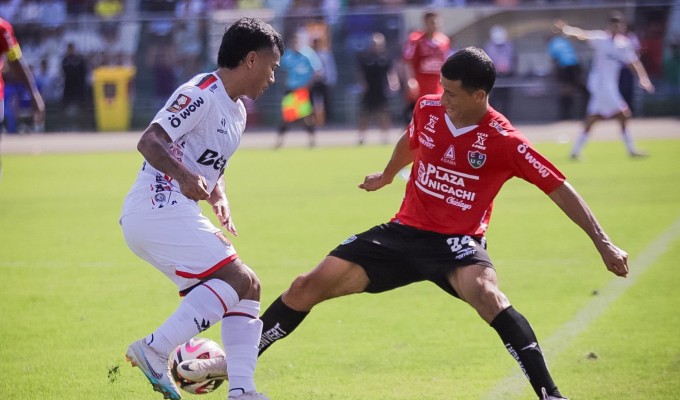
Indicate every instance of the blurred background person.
{"type": "Point", "coordinates": [49, 84]}
{"type": "Point", "coordinates": [323, 82]}
{"type": "Point", "coordinates": [377, 78]}
{"type": "Point", "coordinates": [9, 47]}
{"type": "Point", "coordinates": [671, 67]}
{"type": "Point", "coordinates": [568, 73]}
{"type": "Point", "coordinates": [74, 70]}
{"type": "Point", "coordinates": [611, 48]}
{"type": "Point", "coordinates": [162, 64]}
{"type": "Point", "coordinates": [424, 54]}
{"type": "Point", "coordinates": [501, 50]}
{"type": "Point", "coordinates": [299, 66]}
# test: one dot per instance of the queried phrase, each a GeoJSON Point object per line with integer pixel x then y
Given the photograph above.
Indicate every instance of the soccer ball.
{"type": "Point", "coordinates": [196, 348]}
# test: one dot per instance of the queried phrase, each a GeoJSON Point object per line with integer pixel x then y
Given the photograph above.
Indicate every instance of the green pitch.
{"type": "Point", "coordinates": [74, 296]}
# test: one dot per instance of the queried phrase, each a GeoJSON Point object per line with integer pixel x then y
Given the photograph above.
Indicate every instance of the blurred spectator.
{"type": "Point", "coordinates": [213, 5]}
{"type": "Point", "coordinates": [568, 72]}
{"type": "Point", "coordinates": [626, 78]}
{"type": "Point", "coordinates": [671, 66]}
{"type": "Point", "coordinates": [299, 64]}
{"type": "Point", "coordinates": [47, 82]}
{"type": "Point", "coordinates": [9, 9]}
{"type": "Point", "coordinates": [53, 14]}
{"type": "Point", "coordinates": [378, 77]}
{"type": "Point", "coordinates": [502, 52]}
{"type": "Point", "coordinates": [162, 64]}
{"type": "Point", "coordinates": [77, 7]}
{"type": "Point", "coordinates": [323, 82]}
{"type": "Point", "coordinates": [160, 29]}
{"type": "Point", "coordinates": [652, 47]}
{"type": "Point", "coordinates": [189, 8]}
{"type": "Point", "coordinates": [74, 69]}
{"type": "Point", "coordinates": [17, 103]}
{"type": "Point", "coordinates": [188, 37]}
{"type": "Point", "coordinates": [112, 47]}
{"type": "Point", "coordinates": [424, 54]}
{"type": "Point", "coordinates": [189, 47]}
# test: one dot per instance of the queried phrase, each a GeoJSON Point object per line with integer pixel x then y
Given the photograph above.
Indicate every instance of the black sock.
{"type": "Point", "coordinates": [278, 321]}
{"type": "Point", "coordinates": [521, 343]}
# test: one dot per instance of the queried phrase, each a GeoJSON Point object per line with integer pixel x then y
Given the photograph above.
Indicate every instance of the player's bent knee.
{"type": "Point", "coordinates": [304, 293]}
{"type": "Point", "coordinates": [241, 278]}
{"type": "Point", "coordinates": [489, 302]}
{"type": "Point", "coordinates": [253, 284]}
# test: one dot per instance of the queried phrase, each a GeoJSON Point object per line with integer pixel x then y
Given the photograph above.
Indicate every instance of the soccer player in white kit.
{"type": "Point", "coordinates": [611, 49]}
{"type": "Point", "coordinates": [186, 149]}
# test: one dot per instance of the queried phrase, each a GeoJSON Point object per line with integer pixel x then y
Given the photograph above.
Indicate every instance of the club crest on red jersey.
{"type": "Point", "coordinates": [476, 159]}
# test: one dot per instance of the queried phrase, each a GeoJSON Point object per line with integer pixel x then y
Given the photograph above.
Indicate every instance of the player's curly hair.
{"type": "Point", "coordinates": [244, 36]}
{"type": "Point", "coordinates": [472, 67]}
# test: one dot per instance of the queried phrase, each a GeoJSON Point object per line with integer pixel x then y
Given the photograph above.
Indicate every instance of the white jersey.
{"type": "Point", "coordinates": [205, 126]}
{"type": "Point", "coordinates": [611, 53]}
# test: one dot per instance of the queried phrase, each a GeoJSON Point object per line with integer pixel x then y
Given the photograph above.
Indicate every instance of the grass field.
{"type": "Point", "coordinates": [73, 296]}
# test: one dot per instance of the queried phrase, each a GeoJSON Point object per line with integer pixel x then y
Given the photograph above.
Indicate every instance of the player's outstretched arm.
{"type": "Point", "coordinates": [155, 147]}
{"type": "Point", "coordinates": [578, 211]}
{"type": "Point", "coordinates": [401, 157]}
{"type": "Point", "coordinates": [570, 31]}
{"type": "Point", "coordinates": [643, 78]}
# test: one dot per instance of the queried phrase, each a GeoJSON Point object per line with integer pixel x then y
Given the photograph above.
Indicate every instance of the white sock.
{"type": "Point", "coordinates": [241, 330]}
{"type": "Point", "coordinates": [628, 140]}
{"type": "Point", "coordinates": [578, 145]}
{"type": "Point", "coordinates": [201, 308]}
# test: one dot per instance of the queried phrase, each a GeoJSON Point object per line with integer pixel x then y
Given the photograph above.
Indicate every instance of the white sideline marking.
{"type": "Point", "coordinates": [515, 383]}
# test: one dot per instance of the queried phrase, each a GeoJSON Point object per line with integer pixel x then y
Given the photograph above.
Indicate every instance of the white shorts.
{"type": "Point", "coordinates": [179, 241]}
{"type": "Point", "coordinates": [605, 100]}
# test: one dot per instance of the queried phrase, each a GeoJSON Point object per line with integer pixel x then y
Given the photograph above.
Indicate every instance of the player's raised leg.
{"type": "Point", "coordinates": [200, 309]}
{"type": "Point", "coordinates": [583, 136]}
{"type": "Point", "coordinates": [333, 277]}
{"type": "Point", "coordinates": [241, 330]}
{"type": "Point", "coordinates": [478, 286]}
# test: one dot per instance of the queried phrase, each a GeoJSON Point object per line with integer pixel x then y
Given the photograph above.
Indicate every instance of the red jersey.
{"type": "Point", "coordinates": [457, 173]}
{"type": "Point", "coordinates": [426, 57]}
{"type": "Point", "coordinates": [9, 46]}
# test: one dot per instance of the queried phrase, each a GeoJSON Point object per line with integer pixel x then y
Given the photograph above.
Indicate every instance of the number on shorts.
{"type": "Point", "coordinates": [457, 242]}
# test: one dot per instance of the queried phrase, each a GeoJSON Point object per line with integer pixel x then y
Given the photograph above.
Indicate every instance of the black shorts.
{"type": "Point", "coordinates": [395, 255]}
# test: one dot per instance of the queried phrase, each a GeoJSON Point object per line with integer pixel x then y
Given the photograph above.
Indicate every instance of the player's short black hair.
{"type": "Point", "coordinates": [616, 17]}
{"type": "Point", "coordinates": [472, 67]}
{"type": "Point", "coordinates": [430, 14]}
{"type": "Point", "coordinates": [244, 36]}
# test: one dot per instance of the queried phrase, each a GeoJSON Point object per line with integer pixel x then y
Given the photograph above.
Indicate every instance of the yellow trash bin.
{"type": "Point", "coordinates": [112, 97]}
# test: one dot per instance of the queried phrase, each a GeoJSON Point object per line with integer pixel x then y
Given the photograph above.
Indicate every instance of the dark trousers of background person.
{"type": "Point", "coordinates": [627, 87]}
{"type": "Point", "coordinates": [570, 81]}
{"type": "Point", "coordinates": [320, 94]}
{"type": "Point", "coordinates": [501, 98]}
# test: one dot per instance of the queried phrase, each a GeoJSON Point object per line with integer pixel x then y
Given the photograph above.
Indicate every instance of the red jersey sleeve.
{"type": "Point", "coordinates": [531, 166]}
{"type": "Point", "coordinates": [8, 42]}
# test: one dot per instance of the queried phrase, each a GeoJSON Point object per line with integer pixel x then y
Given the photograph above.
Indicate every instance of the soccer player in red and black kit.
{"type": "Point", "coordinates": [423, 54]}
{"type": "Point", "coordinates": [462, 152]}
